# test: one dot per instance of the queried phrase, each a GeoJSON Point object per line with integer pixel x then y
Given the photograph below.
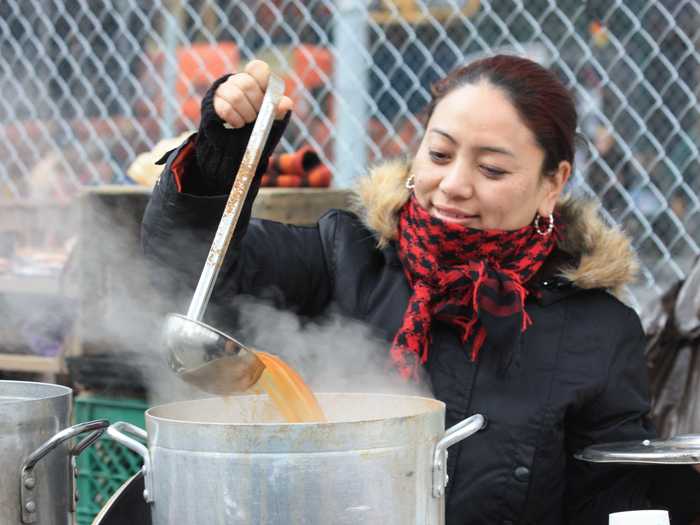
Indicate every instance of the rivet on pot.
{"type": "Point", "coordinates": [29, 483]}
{"type": "Point", "coordinates": [30, 506]}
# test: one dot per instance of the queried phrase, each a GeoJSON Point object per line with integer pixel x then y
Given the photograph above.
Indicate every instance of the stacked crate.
{"type": "Point", "coordinates": [106, 465]}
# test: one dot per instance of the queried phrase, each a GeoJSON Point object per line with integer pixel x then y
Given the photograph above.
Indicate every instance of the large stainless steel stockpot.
{"type": "Point", "coordinates": [380, 459]}
{"type": "Point", "coordinates": [37, 461]}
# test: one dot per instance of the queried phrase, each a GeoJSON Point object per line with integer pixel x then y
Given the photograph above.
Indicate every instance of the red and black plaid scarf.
{"type": "Point", "coordinates": [472, 279]}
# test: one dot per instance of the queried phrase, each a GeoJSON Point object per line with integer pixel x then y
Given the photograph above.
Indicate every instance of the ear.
{"type": "Point", "coordinates": [553, 185]}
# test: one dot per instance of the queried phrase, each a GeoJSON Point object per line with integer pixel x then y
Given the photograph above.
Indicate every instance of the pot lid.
{"type": "Point", "coordinates": [678, 449]}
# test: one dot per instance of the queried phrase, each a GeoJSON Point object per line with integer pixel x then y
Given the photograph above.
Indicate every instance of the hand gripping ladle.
{"type": "Point", "coordinates": [198, 353]}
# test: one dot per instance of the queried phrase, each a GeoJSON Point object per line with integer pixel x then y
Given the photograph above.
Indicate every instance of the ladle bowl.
{"type": "Point", "coordinates": [208, 358]}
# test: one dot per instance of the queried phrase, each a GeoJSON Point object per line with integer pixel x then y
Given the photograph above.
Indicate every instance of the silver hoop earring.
{"type": "Point", "coordinates": [538, 227]}
{"type": "Point", "coordinates": [410, 182]}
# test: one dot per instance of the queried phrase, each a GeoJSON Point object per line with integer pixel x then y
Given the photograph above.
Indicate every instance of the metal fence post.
{"type": "Point", "coordinates": [350, 89]}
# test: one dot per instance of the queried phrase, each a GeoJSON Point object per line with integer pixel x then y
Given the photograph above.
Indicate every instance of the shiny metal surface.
{"type": "Point", "coordinates": [30, 415]}
{"type": "Point", "coordinates": [679, 449]}
{"type": "Point", "coordinates": [28, 480]}
{"type": "Point", "coordinates": [190, 348]}
{"type": "Point", "coordinates": [233, 461]}
{"type": "Point", "coordinates": [118, 432]}
{"type": "Point", "coordinates": [208, 358]}
{"type": "Point", "coordinates": [455, 434]}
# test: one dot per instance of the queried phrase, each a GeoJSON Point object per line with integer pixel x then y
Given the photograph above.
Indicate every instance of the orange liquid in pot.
{"type": "Point", "coordinates": [287, 390]}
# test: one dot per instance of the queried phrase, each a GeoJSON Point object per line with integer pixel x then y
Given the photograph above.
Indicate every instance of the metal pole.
{"type": "Point", "coordinates": [171, 104]}
{"type": "Point", "coordinates": [350, 78]}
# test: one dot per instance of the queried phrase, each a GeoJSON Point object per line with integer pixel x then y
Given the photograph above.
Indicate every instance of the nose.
{"type": "Point", "coordinates": [458, 182]}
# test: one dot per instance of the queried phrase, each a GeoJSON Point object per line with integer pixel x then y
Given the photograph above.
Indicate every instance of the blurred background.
{"type": "Point", "coordinates": [88, 85]}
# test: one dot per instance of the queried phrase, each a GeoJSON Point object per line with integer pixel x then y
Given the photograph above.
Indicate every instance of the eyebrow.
{"type": "Point", "coordinates": [496, 149]}
{"type": "Point", "coordinates": [444, 134]}
{"type": "Point", "coordinates": [489, 149]}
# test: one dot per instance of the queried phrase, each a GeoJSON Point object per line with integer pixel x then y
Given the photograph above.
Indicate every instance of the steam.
{"type": "Point", "coordinates": [125, 298]}
{"type": "Point", "coordinates": [130, 298]}
{"type": "Point", "coordinates": [336, 354]}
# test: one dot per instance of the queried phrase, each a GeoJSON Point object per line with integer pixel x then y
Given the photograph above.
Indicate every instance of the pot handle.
{"type": "Point", "coordinates": [117, 432]}
{"type": "Point", "coordinates": [454, 434]}
{"type": "Point", "coordinates": [27, 477]}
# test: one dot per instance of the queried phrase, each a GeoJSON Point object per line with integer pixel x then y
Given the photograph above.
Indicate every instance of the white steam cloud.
{"type": "Point", "coordinates": [121, 314]}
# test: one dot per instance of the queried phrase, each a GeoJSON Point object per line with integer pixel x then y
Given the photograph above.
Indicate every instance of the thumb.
{"type": "Point", "coordinates": [285, 105]}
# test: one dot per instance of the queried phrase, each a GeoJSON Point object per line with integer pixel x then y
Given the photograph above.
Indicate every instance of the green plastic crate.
{"type": "Point", "coordinates": [106, 465]}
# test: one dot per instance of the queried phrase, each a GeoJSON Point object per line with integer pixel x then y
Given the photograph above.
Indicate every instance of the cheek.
{"type": "Point", "coordinates": [426, 181]}
{"type": "Point", "coordinates": [426, 178]}
{"type": "Point", "coordinates": [509, 205]}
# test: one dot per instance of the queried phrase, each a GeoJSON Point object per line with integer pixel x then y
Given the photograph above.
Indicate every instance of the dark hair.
{"type": "Point", "coordinates": [540, 99]}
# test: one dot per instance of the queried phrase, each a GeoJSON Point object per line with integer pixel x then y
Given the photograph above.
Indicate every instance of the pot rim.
{"type": "Point", "coordinates": [20, 391]}
{"type": "Point", "coordinates": [376, 423]}
{"type": "Point", "coordinates": [437, 406]}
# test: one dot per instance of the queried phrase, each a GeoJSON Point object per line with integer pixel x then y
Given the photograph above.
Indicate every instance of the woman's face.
{"type": "Point", "coordinates": [479, 165]}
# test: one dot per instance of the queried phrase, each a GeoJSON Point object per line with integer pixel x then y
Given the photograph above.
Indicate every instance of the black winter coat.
{"type": "Point", "coordinates": [576, 378]}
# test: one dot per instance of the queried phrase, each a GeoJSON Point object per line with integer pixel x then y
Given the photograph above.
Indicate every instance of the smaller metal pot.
{"type": "Point", "coordinates": [37, 484]}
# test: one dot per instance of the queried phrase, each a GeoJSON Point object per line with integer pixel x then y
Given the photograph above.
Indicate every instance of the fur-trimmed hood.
{"type": "Point", "coordinates": [605, 258]}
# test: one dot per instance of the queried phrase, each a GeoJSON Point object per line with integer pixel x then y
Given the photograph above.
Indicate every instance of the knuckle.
{"type": "Point", "coordinates": [234, 119]}
{"type": "Point", "coordinates": [227, 113]}
{"type": "Point", "coordinates": [236, 97]}
{"type": "Point", "coordinates": [248, 84]}
{"type": "Point", "coordinates": [220, 107]}
{"type": "Point", "coordinates": [259, 70]}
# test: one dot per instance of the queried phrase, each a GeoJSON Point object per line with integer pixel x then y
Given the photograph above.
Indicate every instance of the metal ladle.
{"type": "Point", "coordinates": [198, 353]}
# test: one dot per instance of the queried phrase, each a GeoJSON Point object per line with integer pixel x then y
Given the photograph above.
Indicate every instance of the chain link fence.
{"type": "Point", "coordinates": [89, 84]}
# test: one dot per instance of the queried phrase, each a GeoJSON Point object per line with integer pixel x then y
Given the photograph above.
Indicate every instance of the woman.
{"type": "Point", "coordinates": [483, 280]}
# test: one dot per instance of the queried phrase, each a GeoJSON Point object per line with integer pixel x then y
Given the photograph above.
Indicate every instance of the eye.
{"type": "Point", "coordinates": [438, 157]}
{"type": "Point", "coordinates": [491, 172]}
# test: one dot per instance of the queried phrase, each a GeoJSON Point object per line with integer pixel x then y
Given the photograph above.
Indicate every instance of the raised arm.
{"type": "Point", "coordinates": [264, 259]}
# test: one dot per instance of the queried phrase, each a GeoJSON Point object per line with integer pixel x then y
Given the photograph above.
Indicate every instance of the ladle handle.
{"type": "Point", "coordinates": [241, 185]}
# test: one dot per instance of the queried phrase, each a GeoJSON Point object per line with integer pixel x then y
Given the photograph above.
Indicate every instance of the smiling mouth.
{"type": "Point", "coordinates": [454, 215]}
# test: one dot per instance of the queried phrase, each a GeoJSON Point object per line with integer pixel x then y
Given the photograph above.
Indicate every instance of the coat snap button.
{"type": "Point", "coordinates": [522, 473]}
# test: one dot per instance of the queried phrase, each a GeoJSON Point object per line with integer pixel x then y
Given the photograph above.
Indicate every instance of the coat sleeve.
{"type": "Point", "coordinates": [617, 413]}
{"type": "Point", "coordinates": [620, 413]}
{"type": "Point", "coordinates": [265, 259]}
{"type": "Point", "coordinates": [282, 263]}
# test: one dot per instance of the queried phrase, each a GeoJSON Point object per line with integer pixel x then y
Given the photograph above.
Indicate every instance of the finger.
{"type": "Point", "coordinates": [248, 94]}
{"type": "Point", "coordinates": [286, 104]}
{"type": "Point", "coordinates": [243, 94]}
{"type": "Point", "coordinates": [239, 82]}
{"type": "Point", "coordinates": [260, 71]}
{"type": "Point", "coordinates": [226, 112]}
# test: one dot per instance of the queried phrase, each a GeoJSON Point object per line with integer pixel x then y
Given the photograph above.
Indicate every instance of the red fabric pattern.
{"type": "Point", "coordinates": [177, 167]}
{"type": "Point", "coordinates": [472, 279]}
